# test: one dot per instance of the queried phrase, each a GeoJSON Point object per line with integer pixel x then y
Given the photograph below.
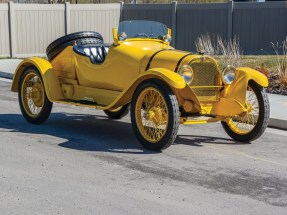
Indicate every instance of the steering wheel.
{"type": "Point", "coordinates": [141, 35]}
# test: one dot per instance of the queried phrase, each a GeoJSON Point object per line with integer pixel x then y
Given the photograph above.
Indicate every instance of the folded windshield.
{"type": "Point", "coordinates": [141, 29]}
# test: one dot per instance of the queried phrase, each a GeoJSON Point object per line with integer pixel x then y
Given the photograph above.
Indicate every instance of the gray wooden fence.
{"type": "Point", "coordinates": [255, 24]}
{"type": "Point", "coordinates": [27, 29]}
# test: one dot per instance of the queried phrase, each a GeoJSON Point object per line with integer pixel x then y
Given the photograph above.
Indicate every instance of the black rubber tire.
{"type": "Point", "coordinates": [73, 37]}
{"type": "Point", "coordinates": [263, 118]}
{"type": "Point", "coordinates": [174, 115]}
{"type": "Point", "coordinates": [118, 114]}
{"type": "Point", "coordinates": [47, 107]}
{"type": "Point", "coordinates": [80, 38]}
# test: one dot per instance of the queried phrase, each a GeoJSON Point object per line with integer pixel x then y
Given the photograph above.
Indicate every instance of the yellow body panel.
{"type": "Point", "coordinates": [50, 79]}
{"type": "Point", "coordinates": [107, 75]}
{"type": "Point", "coordinates": [169, 77]}
{"type": "Point", "coordinates": [71, 77]}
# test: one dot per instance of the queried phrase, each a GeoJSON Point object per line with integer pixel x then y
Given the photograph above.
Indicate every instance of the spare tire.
{"type": "Point", "coordinates": [80, 38]}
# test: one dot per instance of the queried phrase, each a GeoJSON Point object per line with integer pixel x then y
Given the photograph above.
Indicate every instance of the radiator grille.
{"type": "Point", "coordinates": [206, 78]}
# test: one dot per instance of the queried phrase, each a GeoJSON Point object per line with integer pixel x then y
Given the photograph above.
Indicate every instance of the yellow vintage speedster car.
{"type": "Point", "coordinates": [163, 87]}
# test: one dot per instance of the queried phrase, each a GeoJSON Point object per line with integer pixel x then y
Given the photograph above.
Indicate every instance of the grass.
{"type": "Point", "coordinates": [230, 53]}
{"type": "Point", "coordinates": [281, 61]}
{"type": "Point", "coordinates": [255, 61]}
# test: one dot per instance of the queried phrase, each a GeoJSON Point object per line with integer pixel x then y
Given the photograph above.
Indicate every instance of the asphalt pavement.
{"type": "Point", "coordinates": [82, 162]}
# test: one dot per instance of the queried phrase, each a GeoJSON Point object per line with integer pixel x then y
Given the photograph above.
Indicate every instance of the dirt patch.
{"type": "Point", "coordinates": [275, 87]}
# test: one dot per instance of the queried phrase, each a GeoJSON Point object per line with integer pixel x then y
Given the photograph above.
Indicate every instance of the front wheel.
{"type": "Point", "coordinates": [250, 125]}
{"type": "Point", "coordinates": [34, 103]}
{"type": "Point", "coordinates": [155, 115]}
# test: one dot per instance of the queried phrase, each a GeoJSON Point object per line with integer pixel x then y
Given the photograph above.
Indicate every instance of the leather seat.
{"type": "Point", "coordinates": [96, 52]}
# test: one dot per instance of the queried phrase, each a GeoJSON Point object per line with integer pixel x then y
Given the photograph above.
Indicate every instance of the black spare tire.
{"type": "Point", "coordinates": [80, 38]}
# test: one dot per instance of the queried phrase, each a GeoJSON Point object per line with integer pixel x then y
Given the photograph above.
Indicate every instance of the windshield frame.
{"type": "Point", "coordinates": [153, 26]}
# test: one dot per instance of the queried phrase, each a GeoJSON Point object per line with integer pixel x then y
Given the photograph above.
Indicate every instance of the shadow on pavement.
{"type": "Point", "coordinates": [95, 133]}
{"type": "Point", "coordinates": [81, 132]}
{"type": "Point", "coordinates": [194, 140]}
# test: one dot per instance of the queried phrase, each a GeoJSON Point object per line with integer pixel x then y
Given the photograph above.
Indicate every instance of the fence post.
{"type": "Point", "coordinates": [67, 18]}
{"type": "Point", "coordinates": [121, 10]}
{"type": "Point", "coordinates": [230, 20]}
{"type": "Point", "coordinates": [12, 29]}
{"type": "Point", "coordinates": [173, 22]}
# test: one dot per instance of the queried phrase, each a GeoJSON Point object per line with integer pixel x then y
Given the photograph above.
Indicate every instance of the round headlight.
{"type": "Point", "coordinates": [187, 73]}
{"type": "Point", "coordinates": [228, 75]}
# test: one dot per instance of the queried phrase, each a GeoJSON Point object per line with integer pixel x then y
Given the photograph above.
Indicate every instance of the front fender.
{"type": "Point", "coordinates": [237, 90]}
{"type": "Point", "coordinates": [251, 74]}
{"type": "Point", "coordinates": [170, 77]}
{"type": "Point", "coordinates": [51, 81]}
{"type": "Point", "coordinates": [174, 80]}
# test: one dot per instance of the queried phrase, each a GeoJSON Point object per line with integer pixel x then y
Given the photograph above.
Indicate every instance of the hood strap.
{"type": "Point", "coordinates": [151, 58]}
{"type": "Point", "coordinates": [181, 59]}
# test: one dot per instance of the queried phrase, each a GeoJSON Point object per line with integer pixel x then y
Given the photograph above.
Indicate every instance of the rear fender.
{"type": "Point", "coordinates": [51, 81]}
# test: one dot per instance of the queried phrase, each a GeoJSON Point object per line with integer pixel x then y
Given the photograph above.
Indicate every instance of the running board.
{"type": "Point", "coordinates": [82, 103]}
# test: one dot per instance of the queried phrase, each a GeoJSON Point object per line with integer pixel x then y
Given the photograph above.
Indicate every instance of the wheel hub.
{"type": "Point", "coordinates": [249, 107]}
{"type": "Point", "coordinates": [37, 95]}
{"type": "Point", "coordinates": [156, 115]}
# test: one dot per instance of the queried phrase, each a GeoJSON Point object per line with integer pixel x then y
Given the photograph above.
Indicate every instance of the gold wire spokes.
{"type": "Point", "coordinates": [32, 94]}
{"type": "Point", "coordinates": [245, 123]}
{"type": "Point", "coordinates": [151, 114]}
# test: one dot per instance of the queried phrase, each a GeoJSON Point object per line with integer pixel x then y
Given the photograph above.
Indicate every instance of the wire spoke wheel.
{"type": "Point", "coordinates": [33, 100]}
{"type": "Point", "coordinates": [32, 94]}
{"type": "Point", "coordinates": [155, 115]}
{"type": "Point", "coordinates": [251, 124]}
{"type": "Point", "coordinates": [247, 122]}
{"type": "Point", "coordinates": [151, 114]}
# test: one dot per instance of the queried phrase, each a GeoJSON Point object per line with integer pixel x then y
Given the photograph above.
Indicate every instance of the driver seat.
{"type": "Point", "coordinates": [96, 52]}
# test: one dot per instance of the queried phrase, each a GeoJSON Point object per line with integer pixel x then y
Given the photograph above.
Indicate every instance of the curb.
{"type": "Point", "coordinates": [277, 123]}
{"type": "Point", "coordinates": [6, 75]}
{"type": "Point", "coordinates": [273, 123]}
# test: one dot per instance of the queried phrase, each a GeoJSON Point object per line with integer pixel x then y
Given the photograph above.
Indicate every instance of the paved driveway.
{"type": "Point", "coordinates": [81, 162]}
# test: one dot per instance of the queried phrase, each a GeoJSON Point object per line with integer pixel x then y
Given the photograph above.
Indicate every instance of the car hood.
{"type": "Point", "coordinates": [153, 54]}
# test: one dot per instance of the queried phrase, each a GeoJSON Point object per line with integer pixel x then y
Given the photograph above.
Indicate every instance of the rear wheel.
{"type": "Point", "coordinates": [80, 38]}
{"type": "Point", "coordinates": [118, 113]}
{"type": "Point", "coordinates": [34, 103]}
{"type": "Point", "coordinates": [155, 115]}
{"type": "Point", "coordinates": [250, 125]}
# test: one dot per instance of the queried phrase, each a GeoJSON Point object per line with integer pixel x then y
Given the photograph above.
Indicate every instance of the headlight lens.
{"type": "Point", "coordinates": [187, 73]}
{"type": "Point", "coordinates": [228, 75]}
